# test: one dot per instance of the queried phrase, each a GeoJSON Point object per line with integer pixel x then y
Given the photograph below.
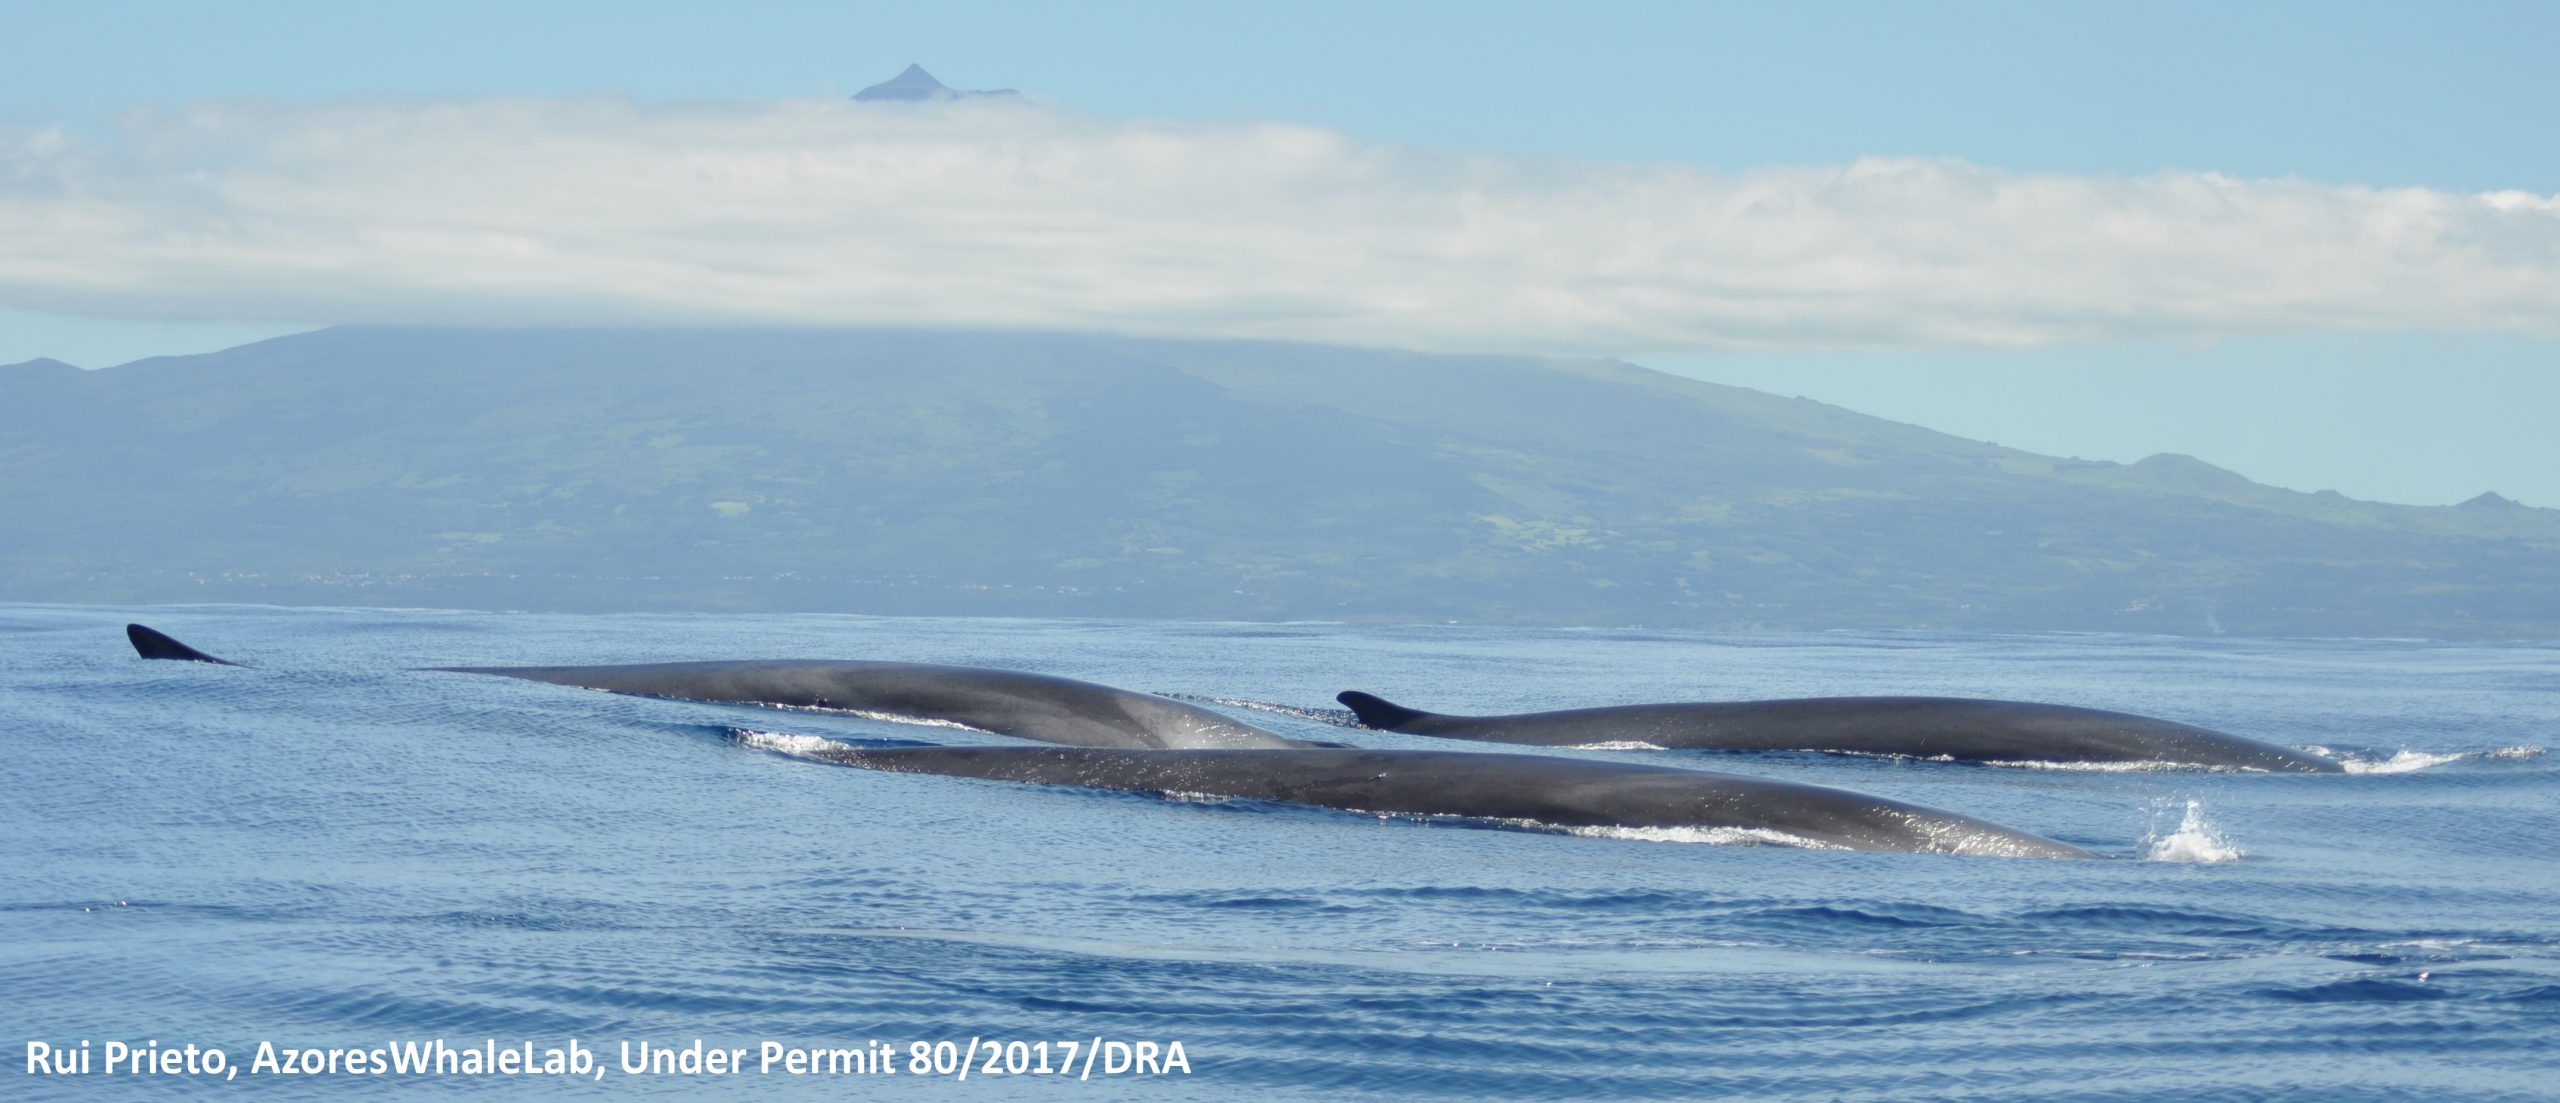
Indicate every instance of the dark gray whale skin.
{"type": "Point", "coordinates": [1140, 742]}
{"type": "Point", "coordinates": [1005, 702]}
{"type": "Point", "coordinates": [151, 643]}
{"type": "Point", "coordinates": [1959, 728]}
{"type": "Point", "coordinates": [1550, 790]}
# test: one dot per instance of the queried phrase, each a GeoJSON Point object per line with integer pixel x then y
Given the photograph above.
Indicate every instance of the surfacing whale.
{"type": "Point", "coordinates": [1529, 789]}
{"type": "Point", "coordinates": [1141, 742]}
{"type": "Point", "coordinates": [1004, 702]}
{"type": "Point", "coordinates": [1957, 728]}
{"type": "Point", "coordinates": [151, 643]}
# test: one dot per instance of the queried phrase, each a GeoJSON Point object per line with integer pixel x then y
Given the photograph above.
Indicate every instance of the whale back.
{"type": "Point", "coordinates": [1377, 712]}
{"type": "Point", "coordinates": [151, 643]}
{"type": "Point", "coordinates": [1956, 728]}
{"type": "Point", "coordinates": [1005, 702]}
{"type": "Point", "coordinates": [1524, 789]}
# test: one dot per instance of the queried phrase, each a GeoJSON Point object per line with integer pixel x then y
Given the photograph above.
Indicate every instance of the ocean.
{"type": "Point", "coordinates": [328, 864]}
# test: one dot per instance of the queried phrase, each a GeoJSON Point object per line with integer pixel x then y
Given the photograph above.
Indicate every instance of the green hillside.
{"type": "Point", "coordinates": [1054, 475]}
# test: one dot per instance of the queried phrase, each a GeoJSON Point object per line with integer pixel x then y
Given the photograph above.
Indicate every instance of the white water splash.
{"type": "Point", "coordinates": [2195, 840]}
{"type": "Point", "coordinates": [1618, 745]}
{"type": "Point", "coordinates": [786, 743]}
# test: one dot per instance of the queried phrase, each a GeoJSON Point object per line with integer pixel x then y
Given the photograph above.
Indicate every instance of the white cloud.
{"type": "Point", "coordinates": [604, 211]}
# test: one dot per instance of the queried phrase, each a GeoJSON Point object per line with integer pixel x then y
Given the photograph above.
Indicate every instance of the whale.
{"type": "Point", "coordinates": [151, 643]}
{"type": "Point", "coordinates": [1016, 703]}
{"type": "Point", "coordinates": [1115, 739]}
{"type": "Point", "coordinates": [1955, 728]}
{"type": "Point", "coordinates": [1528, 790]}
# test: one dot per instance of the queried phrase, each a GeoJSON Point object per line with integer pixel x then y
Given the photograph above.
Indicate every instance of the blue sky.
{"type": "Point", "coordinates": [2340, 387]}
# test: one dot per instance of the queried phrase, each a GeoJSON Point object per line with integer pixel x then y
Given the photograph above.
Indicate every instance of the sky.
{"type": "Point", "coordinates": [2316, 244]}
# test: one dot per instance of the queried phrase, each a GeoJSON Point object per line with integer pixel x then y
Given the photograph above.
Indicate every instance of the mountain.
{"type": "Point", "coordinates": [917, 86]}
{"type": "Point", "coordinates": [1038, 474]}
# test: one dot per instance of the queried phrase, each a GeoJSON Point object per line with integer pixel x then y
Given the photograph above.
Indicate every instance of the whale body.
{"type": "Point", "coordinates": [151, 643]}
{"type": "Point", "coordinates": [1963, 729]}
{"type": "Point", "coordinates": [1541, 790]}
{"type": "Point", "coordinates": [1120, 740]}
{"type": "Point", "coordinates": [1005, 702]}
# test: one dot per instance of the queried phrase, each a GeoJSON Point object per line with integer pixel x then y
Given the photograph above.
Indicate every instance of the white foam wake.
{"type": "Point", "coordinates": [1711, 836]}
{"type": "Point", "coordinates": [883, 717]}
{"type": "Point", "coordinates": [2145, 766]}
{"type": "Point", "coordinates": [2408, 761]}
{"type": "Point", "coordinates": [1186, 796]}
{"type": "Point", "coordinates": [2401, 763]}
{"type": "Point", "coordinates": [2195, 840]}
{"type": "Point", "coordinates": [2148, 766]}
{"type": "Point", "coordinates": [1340, 718]}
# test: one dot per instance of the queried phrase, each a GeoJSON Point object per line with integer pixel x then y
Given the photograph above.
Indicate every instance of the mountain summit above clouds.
{"type": "Point", "coordinates": [917, 86]}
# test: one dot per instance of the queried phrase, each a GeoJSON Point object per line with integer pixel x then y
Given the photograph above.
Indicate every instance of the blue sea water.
{"type": "Point", "coordinates": [330, 850]}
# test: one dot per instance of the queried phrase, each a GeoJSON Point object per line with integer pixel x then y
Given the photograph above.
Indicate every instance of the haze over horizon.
{"type": "Point", "coordinates": [2322, 269]}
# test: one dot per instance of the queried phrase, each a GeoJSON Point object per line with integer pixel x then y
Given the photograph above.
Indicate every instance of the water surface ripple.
{"type": "Point", "coordinates": [329, 849]}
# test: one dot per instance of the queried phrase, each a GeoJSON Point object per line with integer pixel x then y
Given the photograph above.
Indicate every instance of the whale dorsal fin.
{"type": "Point", "coordinates": [1378, 712]}
{"type": "Point", "coordinates": [151, 643]}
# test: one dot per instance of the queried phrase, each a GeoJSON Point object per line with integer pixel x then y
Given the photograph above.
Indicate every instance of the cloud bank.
{"type": "Point", "coordinates": [602, 211]}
